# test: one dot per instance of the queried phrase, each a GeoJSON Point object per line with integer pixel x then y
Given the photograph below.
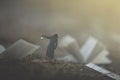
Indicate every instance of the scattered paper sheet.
{"type": "Point", "coordinates": [103, 71]}
{"type": "Point", "coordinates": [20, 49]}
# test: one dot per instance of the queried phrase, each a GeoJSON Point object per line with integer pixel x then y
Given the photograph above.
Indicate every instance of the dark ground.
{"type": "Point", "coordinates": [26, 70]}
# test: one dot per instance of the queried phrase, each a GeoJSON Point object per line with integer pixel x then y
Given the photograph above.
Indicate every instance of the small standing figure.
{"type": "Point", "coordinates": [52, 45]}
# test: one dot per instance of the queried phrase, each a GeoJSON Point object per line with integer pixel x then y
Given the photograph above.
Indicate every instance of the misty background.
{"type": "Point", "coordinates": [27, 19]}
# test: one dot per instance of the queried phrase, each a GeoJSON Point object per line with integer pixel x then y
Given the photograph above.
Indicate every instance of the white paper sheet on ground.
{"type": "Point", "coordinates": [20, 49]}
{"type": "Point", "coordinates": [2, 49]}
{"type": "Point", "coordinates": [65, 41]}
{"type": "Point", "coordinates": [68, 58]}
{"type": "Point", "coordinates": [102, 58]}
{"type": "Point", "coordinates": [103, 71]}
{"type": "Point", "coordinates": [69, 44]}
{"type": "Point", "coordinates": [88, 47]}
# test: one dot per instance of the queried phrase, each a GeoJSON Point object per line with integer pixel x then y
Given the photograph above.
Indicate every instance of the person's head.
{"type": "Point", "coordinates": [56, 35]}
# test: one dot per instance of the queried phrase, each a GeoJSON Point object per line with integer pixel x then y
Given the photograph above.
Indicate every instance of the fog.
{"type": "Point", "coordinates": [27, 19]}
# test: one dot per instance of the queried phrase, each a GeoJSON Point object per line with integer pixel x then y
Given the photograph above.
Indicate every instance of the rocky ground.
{"type": "Point", "coordinates": [39, 70]}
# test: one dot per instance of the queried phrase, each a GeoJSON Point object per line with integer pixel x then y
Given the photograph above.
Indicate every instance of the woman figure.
{"type": "Point", "coordinates": [52, 45]}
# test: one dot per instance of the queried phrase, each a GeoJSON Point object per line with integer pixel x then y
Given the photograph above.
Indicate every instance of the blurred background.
{"type": "Point", "coordinates": [27, 19]}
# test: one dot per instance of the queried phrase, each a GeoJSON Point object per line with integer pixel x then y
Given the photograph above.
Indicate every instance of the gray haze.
{"type": "Point", "coordinates": [27, 19]}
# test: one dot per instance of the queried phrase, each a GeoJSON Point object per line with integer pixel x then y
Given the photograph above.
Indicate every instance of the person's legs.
{"type": "Point", "coordinates": [50, 54]}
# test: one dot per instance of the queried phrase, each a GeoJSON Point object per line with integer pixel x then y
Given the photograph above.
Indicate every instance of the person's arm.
{"type": "Point", "coordinates": [46, 36]}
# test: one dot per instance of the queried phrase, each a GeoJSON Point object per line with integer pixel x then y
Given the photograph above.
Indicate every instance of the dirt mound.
{"type": "Point", "coordinates": [24, 70]}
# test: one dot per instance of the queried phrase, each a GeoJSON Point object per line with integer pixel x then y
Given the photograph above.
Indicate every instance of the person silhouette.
{"type": "Point", "coordinates": [52, 45]}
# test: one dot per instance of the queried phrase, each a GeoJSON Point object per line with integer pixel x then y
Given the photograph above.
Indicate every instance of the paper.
{"type": "Point", "coordinates": [20, 49]}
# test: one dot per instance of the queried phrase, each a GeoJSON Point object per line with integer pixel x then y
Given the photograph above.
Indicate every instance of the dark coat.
{"type": "Point", "coordinates": [52, 45]}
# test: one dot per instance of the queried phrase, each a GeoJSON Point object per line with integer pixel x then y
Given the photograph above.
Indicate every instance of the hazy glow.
{"type": "Point", "coordinates": [29, 18]}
